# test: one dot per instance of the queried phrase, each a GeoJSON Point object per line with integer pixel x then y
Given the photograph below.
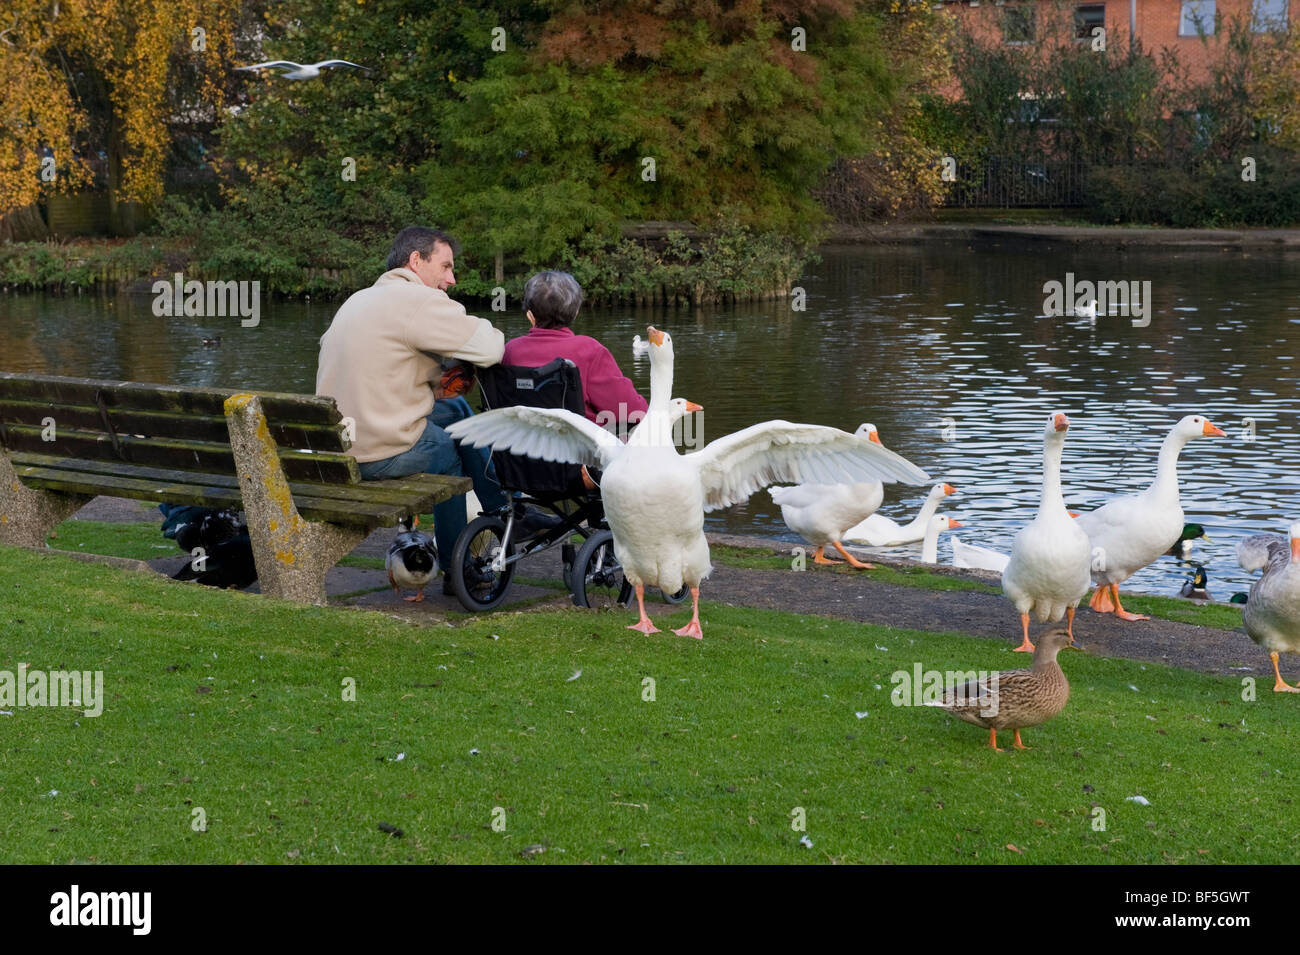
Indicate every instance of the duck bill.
{"type": "Point", "coordinates": [1210, 431]}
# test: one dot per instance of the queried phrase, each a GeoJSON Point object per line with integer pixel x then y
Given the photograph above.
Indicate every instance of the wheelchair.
{"type": "Point", "coordinates": [548, 505]}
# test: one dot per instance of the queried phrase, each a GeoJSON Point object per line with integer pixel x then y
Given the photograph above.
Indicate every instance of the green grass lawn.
{"type": "Point", "coordinates": [234, 704]}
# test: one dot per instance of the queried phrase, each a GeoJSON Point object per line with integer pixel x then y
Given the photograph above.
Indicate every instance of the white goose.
{"type": "Point", "coordinates": [1131, 531]}
{"type": "Point", "coordinates": [1047, 574]}
{"type": "Point", "coordinates": [1272, 615]}
{"type": "Point", "coordinates": [978, 558]}
{"type": "Point", "coordinates": [640, 349]}
{"type": "Point", "coordinates": [879, 531]}
{"type": "Point", "coordinates": [655, 498]}
{"type": "Point", "coordinates": [930, 544]}
{"type": "Point", "coordinates": [820, 513]}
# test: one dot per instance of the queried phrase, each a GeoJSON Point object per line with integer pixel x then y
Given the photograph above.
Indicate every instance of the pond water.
{"type": "Point", "coordinates": [943, 347]}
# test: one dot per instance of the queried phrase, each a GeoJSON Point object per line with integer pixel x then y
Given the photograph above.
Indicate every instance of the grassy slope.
{"type": "Point", "coordinates": [756, 720]}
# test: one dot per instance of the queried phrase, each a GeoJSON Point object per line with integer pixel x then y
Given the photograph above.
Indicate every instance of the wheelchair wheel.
{"type": "Point", "coordinates": [597, 576]}
{"type": "Point", "coordinates": [477, 585]}
{"type": "Point", "coordinates": [679, 596]}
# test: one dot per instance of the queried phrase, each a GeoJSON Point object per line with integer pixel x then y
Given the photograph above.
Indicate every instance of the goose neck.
{"type": "Point", "coordinates": [1167, 465]}
{"type": "Point", "coordinates": [1053, 501]}
{"type": "Point", "coordinates": [930, 546]}
{"type": "Point", "coordinates": [661, 384]}
{"type": "Point", "coordinates": [922, 520]}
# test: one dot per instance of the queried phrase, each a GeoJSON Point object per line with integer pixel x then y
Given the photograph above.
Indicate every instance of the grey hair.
{"type": "Point", "coordinates": [554, 299]}
{"type": "Point", "coordinates": [417, 238]}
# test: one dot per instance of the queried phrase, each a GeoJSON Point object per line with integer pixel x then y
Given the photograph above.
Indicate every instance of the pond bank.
{"type": "Point", "coordinates": [1113, 237]}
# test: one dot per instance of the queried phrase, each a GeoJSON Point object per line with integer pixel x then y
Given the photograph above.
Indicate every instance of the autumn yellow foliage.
{"type": "Point", "coordinates": [125, 56]}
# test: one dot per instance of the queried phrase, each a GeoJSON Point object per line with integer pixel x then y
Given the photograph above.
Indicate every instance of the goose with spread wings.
{"type": "Point", "coordinates": [655, 498]}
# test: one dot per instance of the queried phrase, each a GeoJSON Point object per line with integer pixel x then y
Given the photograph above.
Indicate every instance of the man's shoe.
{"type": "Point", "coordinates": [534, 523]}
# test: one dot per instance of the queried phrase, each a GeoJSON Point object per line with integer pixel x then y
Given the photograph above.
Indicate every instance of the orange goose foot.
{"type": "Point", "coordinates": [853, 561]}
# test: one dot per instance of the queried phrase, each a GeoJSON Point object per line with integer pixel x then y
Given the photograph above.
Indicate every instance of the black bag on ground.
{"type": "Point", "coordinates": [226, 559]}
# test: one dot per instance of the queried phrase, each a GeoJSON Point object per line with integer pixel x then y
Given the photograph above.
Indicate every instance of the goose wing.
{"type": "Point", "coordinates": [1262, 550]}
{"type": "Point", "coordinates": [551, 434]}
{"type": "Point", "coordinates": [734, 467]}
{"type": "Point", "coordinates": [327, 63]}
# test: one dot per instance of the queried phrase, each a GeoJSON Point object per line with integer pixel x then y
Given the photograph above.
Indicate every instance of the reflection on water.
{"type": "Point", "coordinates": [901, 337]}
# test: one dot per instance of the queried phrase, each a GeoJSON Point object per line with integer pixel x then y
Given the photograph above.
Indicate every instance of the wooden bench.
{"type": "Point", "coordinates": [282, 458]}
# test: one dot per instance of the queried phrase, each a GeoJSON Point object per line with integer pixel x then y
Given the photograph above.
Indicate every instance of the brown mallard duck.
{"type": "Point", "coordinates": [1015, 699]}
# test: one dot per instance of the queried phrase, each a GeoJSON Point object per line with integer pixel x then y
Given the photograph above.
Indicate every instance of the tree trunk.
{"type": "Point", "coordinates": [24, 224]}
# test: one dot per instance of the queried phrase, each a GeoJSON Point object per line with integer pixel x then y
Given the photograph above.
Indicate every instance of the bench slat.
{"type": "Point", "coordinates": [354, 513]}
{"type": "Point", "coordinates": [402, 491]}
{"type": "Point", "coordinates": [279, 407]}
{"type": "Point", "coordinates": [171, 453]}
{"type": "Point", "coordinates": [161, 424]}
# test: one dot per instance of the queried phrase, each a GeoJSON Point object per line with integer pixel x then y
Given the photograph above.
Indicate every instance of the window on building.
{"type": "Point", "coordinates": [1087, 18]}
{"type": "Point", "coordinates": [1018, 24]}
{"type": "Point", "coordinates": [1269, 16]}
{"type": "Point", "coordinates": [1197, 18]}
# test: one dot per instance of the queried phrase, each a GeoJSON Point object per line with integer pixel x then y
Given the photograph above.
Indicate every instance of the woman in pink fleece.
{"type": "Point", "coordinates": [551, 301]}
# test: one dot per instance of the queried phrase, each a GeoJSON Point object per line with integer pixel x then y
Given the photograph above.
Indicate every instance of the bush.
{"type": "Point", "coordinates": [55, 266]}
{"type": "Point", "coordinates": [1205, 195]}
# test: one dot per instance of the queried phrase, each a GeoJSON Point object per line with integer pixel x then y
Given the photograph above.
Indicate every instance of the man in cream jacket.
{"type": "Point", "coordinates": [379, 360]}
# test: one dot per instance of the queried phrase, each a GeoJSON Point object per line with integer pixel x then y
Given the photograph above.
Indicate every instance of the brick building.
{"type": "Point", "coordinates": [1192, 28]}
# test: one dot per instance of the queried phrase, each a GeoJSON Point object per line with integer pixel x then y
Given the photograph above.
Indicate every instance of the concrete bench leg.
{"type": "Point", "coordinates": [292, 554]}
{"type": "Point", "coordinates": [28, 515]}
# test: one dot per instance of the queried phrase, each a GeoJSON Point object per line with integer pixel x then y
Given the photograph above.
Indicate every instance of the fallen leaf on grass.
{"type": "Point", "coordinates": [1014, 849]}
{"type": "Point", "coordinates": [391, 829]}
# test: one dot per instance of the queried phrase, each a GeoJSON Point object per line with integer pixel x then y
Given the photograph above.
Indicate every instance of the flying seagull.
{"type": "Point", "coordinates": [298, 71]}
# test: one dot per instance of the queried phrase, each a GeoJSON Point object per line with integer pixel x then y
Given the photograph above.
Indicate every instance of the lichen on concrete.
{"type": "Point", "coordinates": [292, 554]}
{"type": "Point", "coordinates": [27, 515]}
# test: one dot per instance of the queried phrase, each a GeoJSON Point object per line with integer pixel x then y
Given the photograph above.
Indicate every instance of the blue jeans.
{"type": "Point", "coordinates": [436, 453]}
